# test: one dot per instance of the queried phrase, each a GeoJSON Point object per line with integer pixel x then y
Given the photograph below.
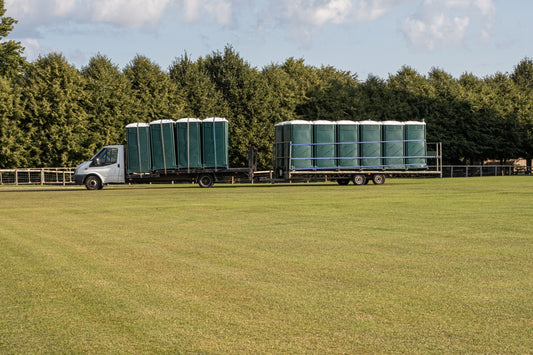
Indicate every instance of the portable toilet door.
{"type": "Point", "coordinates": [415, 145]}
{"type": "Point", "coordinates": [299, 134]}
{"type": "Point", "coordinates": [371, 149]}
{"type": "Point", "coordinates": [139, 152]}
{"type": "Point", "coordinates": [163, 145]}
{"type": "Point", "coordinates": [215, 142]}
{"type": "Point", "coordinates": [189, 143]}
{"type": "Point", "coordinates": [393, 145]}
{"type": "Point", "coordinates": [347, 139]}
{"type": "Point", "coordinates": [280, 159]}
{"type": "Point", "coordinates": [324, 145]}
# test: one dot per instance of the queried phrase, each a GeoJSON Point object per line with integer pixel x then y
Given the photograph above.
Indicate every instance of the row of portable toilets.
{"type": "Point", "coordinates": [187, 143]}
{"type": "Point", "coordinates": [393, 145]}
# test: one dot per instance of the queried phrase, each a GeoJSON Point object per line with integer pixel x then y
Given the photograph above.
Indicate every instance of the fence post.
{"type": "Point", "coordinates": [16, 177]}
{"type": "Point", "coordinates": [63, 177]}
{"type": "Point", "coordinates": [42, 176]}
{"type": "Point", "coordinates": [481, 170]}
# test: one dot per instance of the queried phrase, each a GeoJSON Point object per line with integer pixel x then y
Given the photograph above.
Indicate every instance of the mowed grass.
{"type": "Point", "coordinates": [413, 266]}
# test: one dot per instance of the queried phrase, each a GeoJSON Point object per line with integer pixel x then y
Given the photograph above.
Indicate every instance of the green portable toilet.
{"type": "Point", "coordinates": [300, 150]}
{"type": "Point", "coordinates": [370, 138]}
{"type": "Point", "coordinates": [280, 161]}
{"type": "Point", "coordinates": [189, 143]}
{"type": "Point", "coordinates": [393, 145]}
{"type": "Point", "coordinates": [163, 145]}
{"type": "Point", "coordinates": [215, 142]}
{"type": "Point", "coordinates": [324, 145]}
{"type": "Point", "coordinates": [347, 139]}
{"type": "Point", "coordinates": [415, 145]}
{"type": "Point", "coordinates": [139, 153]}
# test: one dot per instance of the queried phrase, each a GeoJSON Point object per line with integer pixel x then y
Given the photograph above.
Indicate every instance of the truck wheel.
{"type": "Point", "coordinates": [378, 179]}
{"type": "Point", "coordinates": [359, 179]}
{"type": "Point", "coordinates": [93, 183]}
{"type": "Point", "coordinates": [343, 181]}
{"type": "Point", "coordinates": [206, 180]}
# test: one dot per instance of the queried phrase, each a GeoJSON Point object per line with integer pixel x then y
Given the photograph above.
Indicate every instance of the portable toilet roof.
{"type": "Point", "coordinates": [137, 125]}
{"type": "Point", "coordinates": [392, 123]}
{"type": "Point", "coordinates": [189, 120]}
{"type": "Point", "coordinates": [370, 122]}
{"type": "Point", "coordinates": [161, 121]}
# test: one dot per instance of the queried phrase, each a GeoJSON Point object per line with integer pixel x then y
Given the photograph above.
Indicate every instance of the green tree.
{"type": "Point", "coordinates": [200, 96]}
{"type": "Point", "coordinates": [248, 98]}
{"type": "Point", "coordinates": [108, 103]}
{"type": "Point", "coordinates": [155, 96]}
{"type": "Point", "coordinates": [523, 78]}
{"type": "Point", "coordinates": [55, 120]}
{"type": "Point", "coordinates": [13, 141]}
{"type": "Point", "coordinates": [333, 97]}
{"type": "Point", "coordinates": [11, 60]}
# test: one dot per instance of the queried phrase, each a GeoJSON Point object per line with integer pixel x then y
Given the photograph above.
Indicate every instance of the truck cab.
{"type": "Point", "coordinates": [106, 167]}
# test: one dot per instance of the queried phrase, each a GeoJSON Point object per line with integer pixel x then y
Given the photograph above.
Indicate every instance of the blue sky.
{"type": "Point", "coordinates": [361, 36]}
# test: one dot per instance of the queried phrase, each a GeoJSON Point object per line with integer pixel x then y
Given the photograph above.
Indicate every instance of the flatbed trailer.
{"type": "Point", "coordinates": [358, 176]}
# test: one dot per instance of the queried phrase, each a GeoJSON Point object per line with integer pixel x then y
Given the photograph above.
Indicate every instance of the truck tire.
{"type": "Point", "coordinates": [378, 179]}
{"type": "Point", "coordinates": [206, 180]}
{"type": "Point", "coordinates": [359, 179]}
{"type": "Point", "coordinates": [343, 181]}
{"type": "Point", "coordinates": [93, 183]}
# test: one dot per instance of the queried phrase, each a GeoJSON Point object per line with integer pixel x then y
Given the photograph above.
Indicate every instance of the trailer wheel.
{"type": "Point", "coordinates": [359, 179]}
{"type": "Point", "coordinates": [206, 180]}
{"type": "Point", "coordinates": [378, 179]}
{"type": "Point", "coordinates": [343, 181]}
{"type": "Point", "coordinates": [93, 183]}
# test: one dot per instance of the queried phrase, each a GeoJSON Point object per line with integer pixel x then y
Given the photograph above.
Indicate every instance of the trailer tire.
{"type": "Point", "coordinates": [359, 179]}
{"type": "Point", "coordinates": [206, 180]}
{"type": "Point", "coordinates": [93, 183]}
{"type": "Point", "coordinates": [343, 181]}
{"type": "Point", "coordinates": [378, 179]}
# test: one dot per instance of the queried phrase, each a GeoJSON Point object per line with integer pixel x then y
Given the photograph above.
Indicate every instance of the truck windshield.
{"type": "Point", "coordinates": [106, 156]}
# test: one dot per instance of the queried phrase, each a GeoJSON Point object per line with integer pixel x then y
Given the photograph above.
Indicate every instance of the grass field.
{"type": "Point", "coordinates": [412, 266]}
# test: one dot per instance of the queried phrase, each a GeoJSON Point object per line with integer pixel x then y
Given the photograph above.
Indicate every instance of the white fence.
{"type": "Point", "coordinates": [39, 176]}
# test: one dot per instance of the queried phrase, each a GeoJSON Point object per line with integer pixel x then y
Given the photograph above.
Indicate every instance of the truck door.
{"type": "Point", "coordinates": [108, 162]}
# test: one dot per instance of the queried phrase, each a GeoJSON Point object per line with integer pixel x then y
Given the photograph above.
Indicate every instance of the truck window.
{"type": "Point", "coordinates": [106, 156]}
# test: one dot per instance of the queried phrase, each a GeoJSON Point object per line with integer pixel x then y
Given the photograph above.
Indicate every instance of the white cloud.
{"type": "Point", "coordinates": [119, 13]}
{"type": "Point", "coordinates": [126, 13]}
{"type": "Point", "coordinates": [322, 12]}
{"type": "Point", "coordinates": [449, 22]}
{"type": "Point", "coordinates": [219, 10]}
{"type": "Point", "coordinates": [32, 48]}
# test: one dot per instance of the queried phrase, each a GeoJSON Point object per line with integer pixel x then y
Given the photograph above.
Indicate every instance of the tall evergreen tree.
{"type": "Point", "coordinates": [155, 95]}
{"type": "Point", "coordinates": [11, 52]}
{"type": "Point", "coordinates": [13, 141]}
{"type": "Point", "coordinates": [108, 104]}
{"type": "Point", "coordinates": [247, 97]}
{"type": "Point", "coordinates": [333, 97]}
{"type": "Point", "coordinates": [201, 98]}
{"type": "Point", "coordinates": [54, 118]}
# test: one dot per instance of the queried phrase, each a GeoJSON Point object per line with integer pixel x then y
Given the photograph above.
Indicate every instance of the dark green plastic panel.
{"type": "Point", "coordinates": [189, 143]}
{"type": "Point", "coordinates": [163, 145]}
{"type": "Point", "coordinates": [347, 146]}
{"type": "Point", "coordinates": [324, 145]}
{"type": "Point", "coordinates": [139, 154]}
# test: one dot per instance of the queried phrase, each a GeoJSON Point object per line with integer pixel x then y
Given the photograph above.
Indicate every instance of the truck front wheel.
{"type": "Point", "coordinates": [93, 183]}
{"type": "Point", "coordinates": [206, 180]}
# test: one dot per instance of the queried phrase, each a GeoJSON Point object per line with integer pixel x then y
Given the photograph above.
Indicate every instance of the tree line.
{"type": "Point", "coordinates": [53, 114]}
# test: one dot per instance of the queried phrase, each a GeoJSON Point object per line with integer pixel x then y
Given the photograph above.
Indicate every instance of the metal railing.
{"type": "Point", "coordinates": [483, 170]}
{"type": "Point", "coordinates": [37, 176]}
